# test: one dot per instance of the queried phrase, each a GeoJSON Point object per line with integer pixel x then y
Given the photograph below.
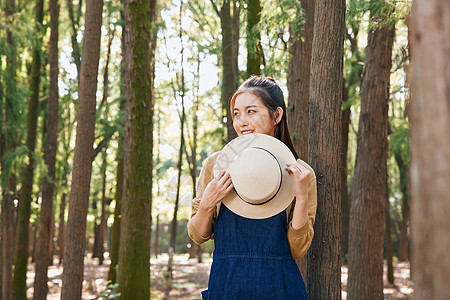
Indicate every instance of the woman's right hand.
{"type": "Point", "coordinates": [215, 191]}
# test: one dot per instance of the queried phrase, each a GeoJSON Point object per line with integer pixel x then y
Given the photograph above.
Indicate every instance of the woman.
{"type": "Point", "coordinates": [257, 107]}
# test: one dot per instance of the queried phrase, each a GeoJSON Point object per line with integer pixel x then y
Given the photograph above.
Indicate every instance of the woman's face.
{"type": "Point", "coordinates": [252, 116]}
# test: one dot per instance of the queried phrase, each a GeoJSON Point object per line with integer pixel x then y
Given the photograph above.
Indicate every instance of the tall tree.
{"type": "Point", "coordinates": [298, 89]}
{"type": "Point", "coordinates": [254, 49]}
{"type": "Point", "coordinates": [115, 231]}
{"type": "Point", "coordinates": [299, 80]}
{"type": "Point", "coordinates": [324, 147]}
{"type": "Point", "coordinates": [134, 253]}
{"type": "Point", "coordinates": [23, 218]}
{"type": "Point", "coordinates": [8, 116]}
{"type": "Point", "coordinates": [75, 24]}
{"type": "Point", "coordinates": [174, 224]}
{"type": "Point", "coordinates": [430, 151]}
{"type": "Point", "coordinates": [229, 70]}
{"type": "Point", "coordinates": [45, 221]}
{"type": "Point", "coordinates": [72, 278]}
{"type": "Point", "coordinates": [367, 209]}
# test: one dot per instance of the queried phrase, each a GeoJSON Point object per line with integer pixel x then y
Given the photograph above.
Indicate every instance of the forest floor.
{"type": "Point", "coordinates": [190, 278]}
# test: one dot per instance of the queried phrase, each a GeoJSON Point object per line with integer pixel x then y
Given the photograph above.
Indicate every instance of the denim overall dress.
{"type": "Point", "coordinates": [252, 260]}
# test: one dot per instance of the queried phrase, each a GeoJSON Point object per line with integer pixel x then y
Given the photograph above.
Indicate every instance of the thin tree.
{"type": "Point", "coordinates": [45, 221]}
{"type": "Point", "coordinates": [430, 151]}
{"type": "Point", "coordinates": [72, 278]}
{"type": "Point", "coordinates": [254, 49]}
{"type": "Point", "coordinates": [134, 252]}
{"type": "Point", "coordinates": [8, 117]}
{"type": "Point", "coordinates": [229, 70]}
{"type": "Point", "coordinates": [75, 24]}
{"type": "Point", "coordinates": [324, 147]}
{"type": "Point", "coordinates": [298, 89]}
{"type": "Point", "coordinates": [23, 218]}
{"type": "Point", "coordinates": [367, 209]}
{"type": "Point", "coordinates": [351, 85]}
{"type": "Point", "coordinates": [173, 227]}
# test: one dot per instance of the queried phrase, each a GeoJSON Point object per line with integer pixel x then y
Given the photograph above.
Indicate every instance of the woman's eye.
{"type": "Point", "coordinates": [236, 114]}
{"type": "Point", "coordinates": [251, 111]}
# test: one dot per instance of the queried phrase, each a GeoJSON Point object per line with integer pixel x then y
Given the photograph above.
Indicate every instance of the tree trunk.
{"type": "Point", "coordinates": [115, 234]}
{"type": "Point", "coordinates": [324, 148]}
{"type": "Point", "coordinates": [228, 75]}
{"type": "Point", "coordinates": [235, 36]}
{"type": "Point", "coordinates": [134, 252]}
{"type": "Point", "coordinates": [45, 222]}
{"type": "Point", "coordinates": [345, 201]}
{"type": "Point", "coordinates": [74, 22]}
{"type": "Point", "coordinates": [404, 188]}
{"type": "Point", "coordinates": [430, 151]}
{"type": "Point", "coordinates": [62, 226]}
{"type": "Point", "coordinates": [298, 89]}
{"type": "Point", "coordinates": [103, 216]}
{"type": "Point", "coordinates": [367, 211]}
{"type": "Point", "coordinates": [8, 143]}
{"type": "Point", "coordinates": [72, 278]}
{"type": "Point", "coordinates": [388, 240]}
{"type": "Point", "coordinates": [299, 81]}
{"type": "Point", "coordinates": [115, 231]}
{"type": "Point", "coordinates": [352, 82]}
{"type": "Point", "coordinates": [157, 230]}
{"type": "Point", "coordinates": [173, 227]}
{"type": "Point", "coordinates": [21, 255]}
{"type": "Point", "coordinates": [254, 50]}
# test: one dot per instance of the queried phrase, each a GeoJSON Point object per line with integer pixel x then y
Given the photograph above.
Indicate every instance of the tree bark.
{"type": "Point", "coordinates": [324, 148]}
{"type": "Point", "coordinates": [345, 201]}
{"type": "Point", "coordinates": [21, 255]}
{"type": "Point", "coordinates": [430, 151]}
{"type": "Point", "coordinates": [72, 278]}
{"type": "Point", "coordinates": [45, 223]}
{"type": "Point", "coordinates": [404, 188]}
{"type": "Point", "coordinates": [228, 75]}
{"type": "Point", "coordinates": [388, 240]}
{"type": "Point", "coordinates": [299, 80]}
{"type": "Point", "coordinates": [134, 252]}
{"type": "Point", "coordinates": [298, 88]}
{"type": "Point", "coordinates": [115, 231]}
{"type": "Point", "coordinates": [367, 211]}
{"type": "Point", "coordinates": [254, 49]}
{"type": "Point", "coordinates": [173, 227]}
{"type": "Point", "coordinates": [8, 144]}
{"type": "Point", "coordinates": [74, 22]}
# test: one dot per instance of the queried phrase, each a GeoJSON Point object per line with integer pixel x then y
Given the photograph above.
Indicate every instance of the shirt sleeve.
{"type": "Point", "coordinates": [300, 239]}
{"type": "Point", "coordinates": [206, 175]}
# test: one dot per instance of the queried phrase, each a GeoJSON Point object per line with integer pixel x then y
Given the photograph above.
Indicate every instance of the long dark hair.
{"type": "Point", "coordinates": [268, 91]}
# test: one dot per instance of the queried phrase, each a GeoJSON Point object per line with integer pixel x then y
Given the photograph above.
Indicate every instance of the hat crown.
{"type": "Point", "coordinates": [256, 175]}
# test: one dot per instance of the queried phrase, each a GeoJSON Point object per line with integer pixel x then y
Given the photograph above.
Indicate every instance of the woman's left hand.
{"type": "Point", "coordinates": [301, 175]}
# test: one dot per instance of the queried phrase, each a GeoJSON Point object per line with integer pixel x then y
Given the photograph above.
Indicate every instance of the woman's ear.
{"type": "Point", "coordinates": [278, 114]}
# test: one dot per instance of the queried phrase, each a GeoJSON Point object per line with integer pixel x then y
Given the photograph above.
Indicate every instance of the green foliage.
{"type": "Point", "coordinates": [383, 12]}
{"type": "Point", "coordinates": [111, 291]}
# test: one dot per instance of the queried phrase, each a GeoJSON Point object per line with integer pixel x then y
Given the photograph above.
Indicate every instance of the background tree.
{"type": "Point", "coordinates": [298, 89]}
{"type": "Point", "coordinates": [44, 252]}
{"type": "Point", "coordinates": [8, 143]}
{"type": "Point", "coordinates": [81, 175]}
{"type": "Point", "coordinates": [367, 210]}
{"type": "Point", "coordinates": [134, 252]}
{"type": "Point", "coordinates": [430, 172]}
{"type": "Point", "coordinates": [324, 151]}
{"type": "Point", "coordinates": [254, 48]}
{"type": "Point", "coordinates": [23, 218]}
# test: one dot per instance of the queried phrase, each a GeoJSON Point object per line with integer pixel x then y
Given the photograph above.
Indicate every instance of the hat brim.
{"type": "Point", "coordinates": [283, 155]}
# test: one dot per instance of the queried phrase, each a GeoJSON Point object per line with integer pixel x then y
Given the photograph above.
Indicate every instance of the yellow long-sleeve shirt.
{"type": "Point", "coordinates": [299, 239]}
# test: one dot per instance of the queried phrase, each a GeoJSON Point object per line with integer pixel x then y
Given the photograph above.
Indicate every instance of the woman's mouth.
{"type": "Point", "coordinates": [244, 132]}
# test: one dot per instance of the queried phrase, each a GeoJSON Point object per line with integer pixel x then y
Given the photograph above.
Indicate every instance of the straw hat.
{"type": "Point", "coordinates": [256, 163]}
